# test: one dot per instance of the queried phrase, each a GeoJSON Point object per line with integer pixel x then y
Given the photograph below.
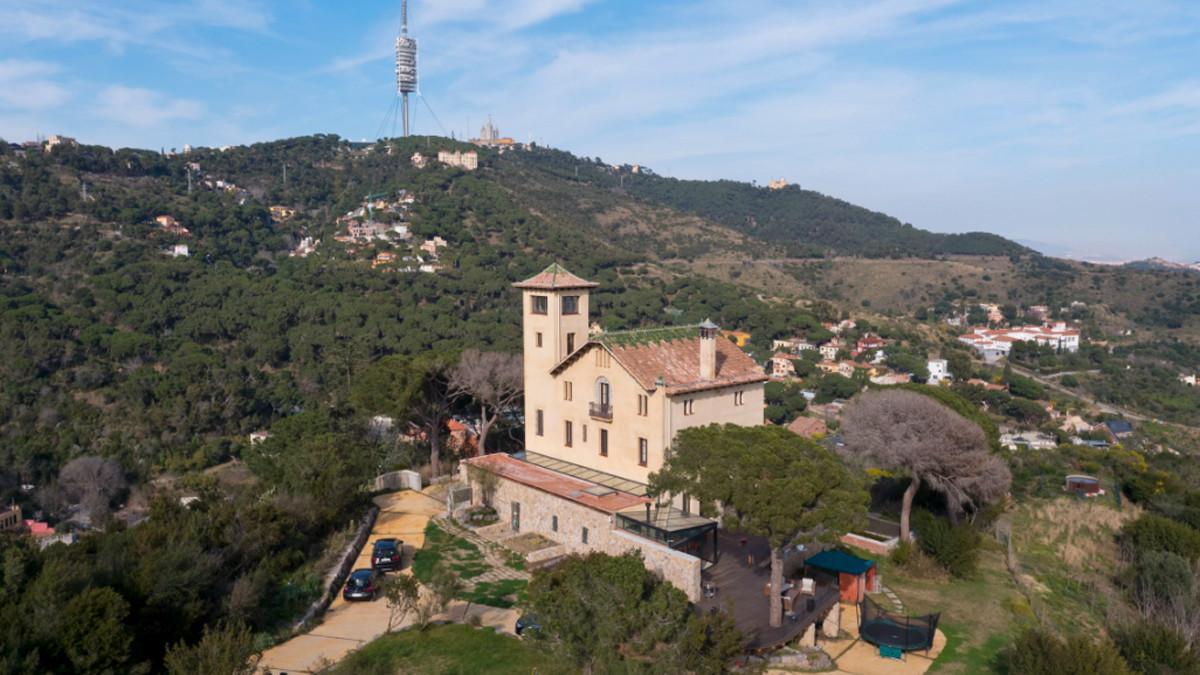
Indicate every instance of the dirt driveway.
{"type": "Point", "coordinates": [349, 625]}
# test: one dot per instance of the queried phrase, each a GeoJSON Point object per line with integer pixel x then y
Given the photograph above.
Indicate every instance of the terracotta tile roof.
{"type": "Point", "coordinates": [554, 277]}
{"type": "Point", "coordinates": [807, 427]}
{"type": "Point", "coordinates": [677, 362]}
{"type": "Point", "coordinates": [591, 495]}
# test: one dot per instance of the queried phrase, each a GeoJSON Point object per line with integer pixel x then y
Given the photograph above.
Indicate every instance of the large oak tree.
{"type": "Point", "coordinates": [765, 481]}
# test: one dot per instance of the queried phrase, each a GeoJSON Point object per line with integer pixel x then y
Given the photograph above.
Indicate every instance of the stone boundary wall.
{"type": "Point", "coordinates": [337, 576]}
{"type": "Point", "coordinates": [868, 544]}
{"type": "Point", "coordinates": [396, 480]}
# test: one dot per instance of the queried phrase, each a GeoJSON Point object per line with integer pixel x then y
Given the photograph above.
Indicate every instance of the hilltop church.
{"type": "Point", "coordinates": [601, 411]}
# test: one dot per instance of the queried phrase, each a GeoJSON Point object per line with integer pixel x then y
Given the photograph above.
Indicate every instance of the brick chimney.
{"type": "Point", "coordinates": [708, 350]}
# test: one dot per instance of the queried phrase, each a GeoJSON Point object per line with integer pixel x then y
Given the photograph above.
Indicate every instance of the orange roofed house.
{"type": "Point", "coordinates": [601, 409]}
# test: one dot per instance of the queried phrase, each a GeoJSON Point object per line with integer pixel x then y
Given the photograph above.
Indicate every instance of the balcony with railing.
{"type": "Point", "coordinates": [600, 411]}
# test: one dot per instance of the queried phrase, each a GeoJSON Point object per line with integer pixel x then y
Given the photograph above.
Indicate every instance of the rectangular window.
{"type": "Point", "coordinates": [643, 452]}
{"type": "Point", "coordinates": [585, 533]}
{"type": "Point", "coordinates": [554, 523]}
{"type": "Point", "coordinates": [570, 304]}
{"type": "Point", "coordinates": [568, 391]}
{"type": "Point", "coordinates": [643, 405]}
{"type": "Point", "coordinates": [541, 424]}
{"type": "Point", "coordinates": [541, 304]}
{"type": "Point", "coordinates": [539, 339]}
{"type": "Point", "coordinates": [689, 407]}
{"type": "Point", "coordinates": [516, 517]}
{"type": "Point", "coordinates": [567, 433]}
{"type": "Point", "coordinates": [687, 504]}
{"type": "Point", "coordinates": [570, 343]}
{"type": "Point", "coordinates": [739, 397]}
{"type": "Point", "coordinates": [584, 433]}
{"type": "Point", "coordinates": [604, 442]}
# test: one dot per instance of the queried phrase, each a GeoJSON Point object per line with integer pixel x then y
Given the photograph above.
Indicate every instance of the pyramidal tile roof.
{"type": "Point", "coordinates": [554, 277]}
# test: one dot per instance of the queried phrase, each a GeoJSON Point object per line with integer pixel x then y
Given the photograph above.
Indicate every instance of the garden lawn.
{"type": "Point", "coordinates": [451, 649]}
{"type": "Point", "coordinates": [468, 562]}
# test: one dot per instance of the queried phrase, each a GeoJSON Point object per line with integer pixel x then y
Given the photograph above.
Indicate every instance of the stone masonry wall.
{"type": "Point", "coordinates": [537, 515]}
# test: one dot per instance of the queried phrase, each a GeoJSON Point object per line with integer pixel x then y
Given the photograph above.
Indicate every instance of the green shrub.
{"type": "Point", "coordinates": [1152, 532]}
{"type": "Point", "coordinates": [902, 554]}
{"type": "Point", "coordinates": [1155, 650]}
{"type": "Point", "coordinates": [1039, 652]}
{"type": "Point", "coordinates": [954, 547]}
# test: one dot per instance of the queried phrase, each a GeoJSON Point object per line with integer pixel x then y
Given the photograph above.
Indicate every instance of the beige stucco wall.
{"type": "Point", "coordinates": [664, 418]}
{"type": "Point", "coordinates": [537, 511]}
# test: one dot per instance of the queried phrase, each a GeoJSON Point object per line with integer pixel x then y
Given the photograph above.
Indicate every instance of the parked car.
{"type": "Point", "coordinates": [387, 555]}
{"type": "Point", "coordinates": [527, 622]}
{"type": "Point", "coordinates": [363, 584]}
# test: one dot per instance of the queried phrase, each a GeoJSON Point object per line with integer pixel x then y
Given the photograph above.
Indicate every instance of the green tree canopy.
{"type": "Point", "coordinates": [765, 481]}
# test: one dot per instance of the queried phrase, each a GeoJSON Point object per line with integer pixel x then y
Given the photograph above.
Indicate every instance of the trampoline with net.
{"type": "Point", "coordinates": [898, 631]}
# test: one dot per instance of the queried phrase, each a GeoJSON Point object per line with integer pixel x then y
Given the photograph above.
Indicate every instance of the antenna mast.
{"type": "Point", "coordinates": [406, 63]}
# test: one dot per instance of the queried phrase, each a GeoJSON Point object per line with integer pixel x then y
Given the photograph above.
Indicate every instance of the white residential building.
{"type": "Point", "coordinates": [939, 371]}
{"type": "Point", "coordinates": [1057, 335]}
{"type": "Point", "coordinates": [1189, 380]}
{"type": "Point", "coordinates": [1031, 440]}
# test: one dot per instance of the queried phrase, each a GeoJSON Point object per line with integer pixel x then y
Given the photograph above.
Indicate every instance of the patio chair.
{"type": "Point", "coordinates": [808, 586]}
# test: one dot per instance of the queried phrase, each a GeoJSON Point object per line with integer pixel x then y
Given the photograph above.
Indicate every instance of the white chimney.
{"type": "Point", "coordinates": [708, 350]}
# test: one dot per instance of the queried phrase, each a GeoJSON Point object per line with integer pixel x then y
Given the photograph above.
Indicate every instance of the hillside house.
{"type": "Point", "coordinates": [463, 160]}
{"type": "Point", "coordinates": [1189, 380]}
{"type": "Point", "coordinates": [782, 366]}
{"type": "Point", "coordinates": [601, 409]}
{"type": "Point", "coordinates": [867, 343]}
{"type": "Point", "coordinates": [1118, 429]}
{"type": "Point", "coordinates": [383, 258]}
{"type": "Point", "coordinates": [829, 350]}
{"type": "Point", "coordinates": [808, 427]}
{"type": "Point", "coordinates": [281, 213]}
{"type": "Point", "coordinates": [939, 371]}
{"type": "Point", "coordinates": [738, 337]}
{"type": "Point", "coordinates": [1028, 440]}
{"type": "Point", "coordinates": [418, 160]}
{"type": "Point", "coordinates": [1057, 335]}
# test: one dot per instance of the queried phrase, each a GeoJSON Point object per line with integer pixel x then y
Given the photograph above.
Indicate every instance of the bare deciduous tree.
{"type": "Point", "coordinates": [93, 482]}
{"type": "Point", "coordinates": [494, 379]}
{"type": "Point", "coordinates": [912, 434]}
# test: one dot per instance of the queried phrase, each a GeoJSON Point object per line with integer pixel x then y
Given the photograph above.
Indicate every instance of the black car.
{"type": "Point", "coordinates": [527, 622]}
{"type": "Point", "coordinates": [387, 555]}
{"type": "Point", "coordinates": [363, 584]}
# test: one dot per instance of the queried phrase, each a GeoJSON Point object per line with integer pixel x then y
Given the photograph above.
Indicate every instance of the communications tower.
{"type": "Point", "coordinates": [406, 63]}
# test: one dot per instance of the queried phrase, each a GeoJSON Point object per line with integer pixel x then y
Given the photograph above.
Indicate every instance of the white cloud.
{"type": "Point", "coordinates": [138, 107]}
{"type": "Point", "coordinates": [25, 85]}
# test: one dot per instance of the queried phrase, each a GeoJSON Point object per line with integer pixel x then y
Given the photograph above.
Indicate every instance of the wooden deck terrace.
{"type": "Point", "coordinates": [739, 577]}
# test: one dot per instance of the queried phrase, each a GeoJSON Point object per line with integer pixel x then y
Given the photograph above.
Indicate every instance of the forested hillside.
{"type": "Point", "coordinates": [803, 223]}
{"type": "Point", "coordinates": [109, 347]}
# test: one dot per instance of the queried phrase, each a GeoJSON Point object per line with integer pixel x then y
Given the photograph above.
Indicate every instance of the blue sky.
{"type": "Point", "coordinates": [1074, 123]}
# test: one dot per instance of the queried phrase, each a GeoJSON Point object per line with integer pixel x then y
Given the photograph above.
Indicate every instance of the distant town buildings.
{"type": "Point", "coordinates": [463, 160]}
{"type": "Point", "coordinates": [777, 184]}
{"type": "Point", "coordinates": [56, 140]}
{"type": "Point", "coordinates": [1057, 335]}
{"type": "Point", "coordinates": [418, 160]}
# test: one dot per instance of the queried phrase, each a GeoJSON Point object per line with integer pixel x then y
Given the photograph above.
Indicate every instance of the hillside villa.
{"type": "Point", "coordinates": [1057, 335]}
{"type": "Point", "coordinates": [601, 409]}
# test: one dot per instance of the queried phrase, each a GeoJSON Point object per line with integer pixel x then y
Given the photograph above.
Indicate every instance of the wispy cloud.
{"type": "Point", "coordinates": [134, 106]}
{"type": "Point", "coordinates": [26, 85]}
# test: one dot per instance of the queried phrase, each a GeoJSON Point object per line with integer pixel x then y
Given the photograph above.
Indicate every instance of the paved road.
{"type": "Point", "coordinates": [347, 626]}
